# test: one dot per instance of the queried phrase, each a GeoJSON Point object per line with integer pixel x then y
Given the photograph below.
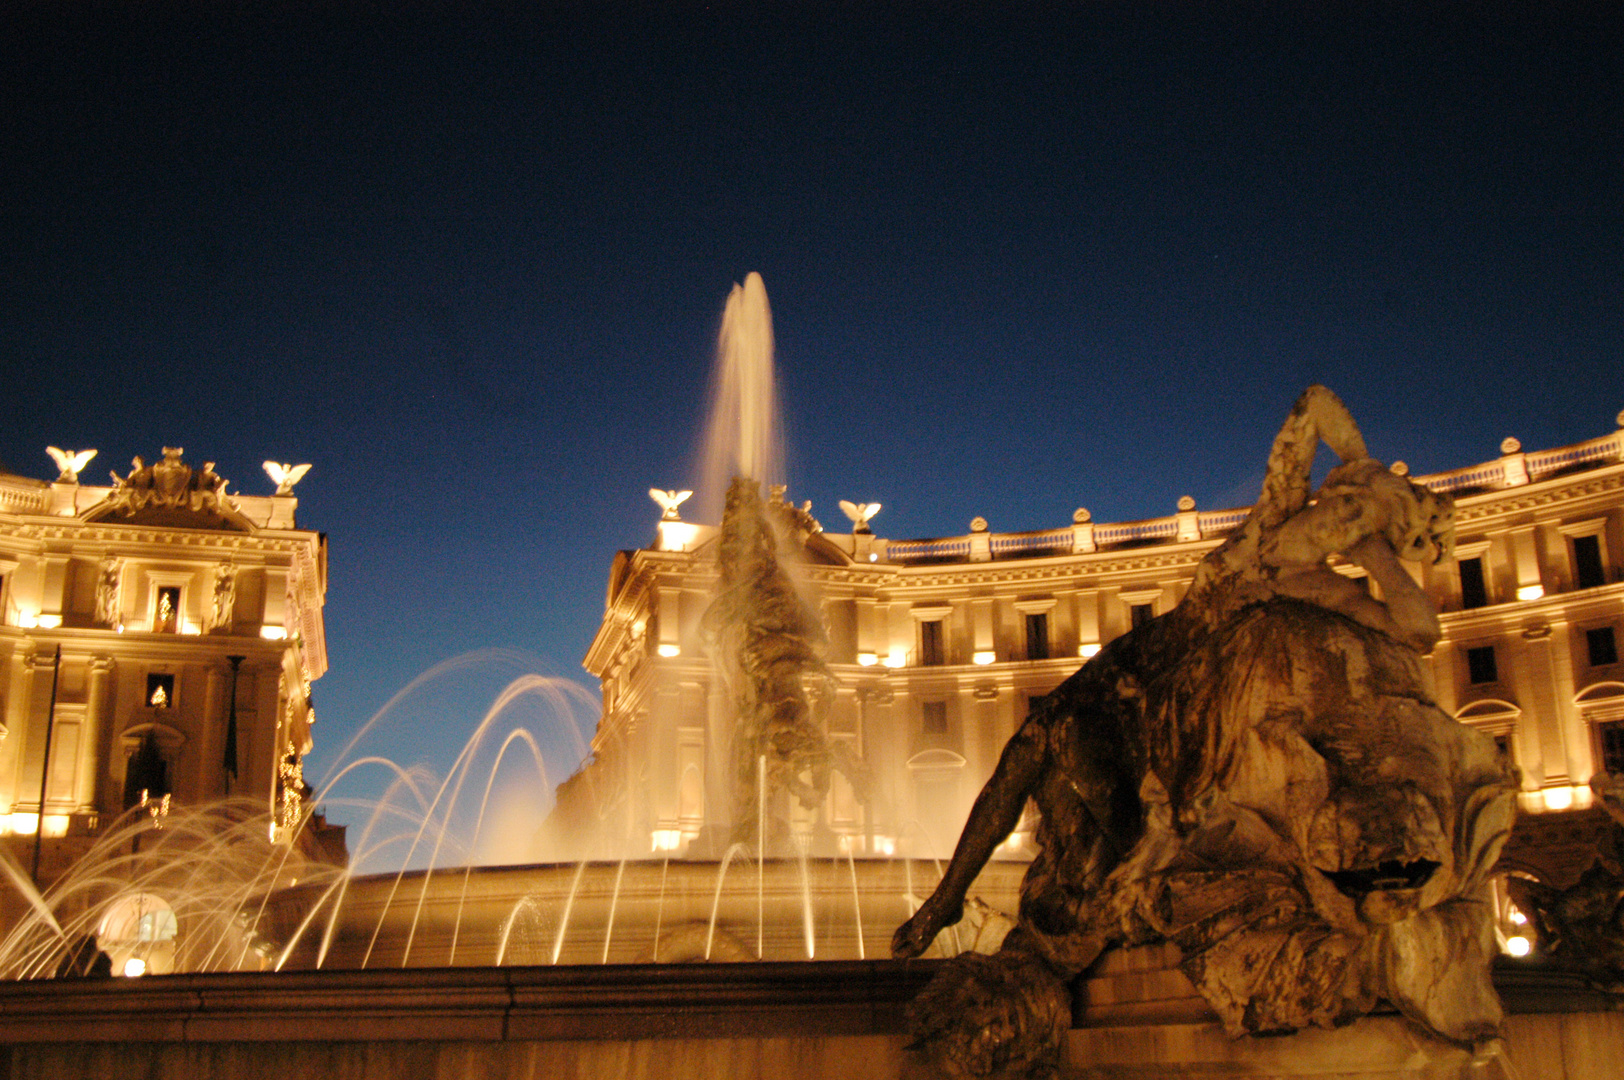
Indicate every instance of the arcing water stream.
{"type": "Point", "coordinates": [227, 888]}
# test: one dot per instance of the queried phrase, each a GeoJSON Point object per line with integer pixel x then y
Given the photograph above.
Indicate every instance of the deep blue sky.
{"type": "Point", "coordinates": [471, 267]}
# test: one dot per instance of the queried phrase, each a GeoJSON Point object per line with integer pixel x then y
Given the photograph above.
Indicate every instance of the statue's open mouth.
{"type": "Point", "coordinates": [1389, 876]}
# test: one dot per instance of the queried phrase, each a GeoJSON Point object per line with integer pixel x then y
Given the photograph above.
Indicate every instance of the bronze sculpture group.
{"type": "Point", "coordinates": [1259, 776]}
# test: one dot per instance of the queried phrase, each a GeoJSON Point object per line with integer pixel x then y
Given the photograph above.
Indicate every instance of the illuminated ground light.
{"type": "Point", "coordinates": [134, 967]}
{"type": "Point", "coordinates": [1517, 945]}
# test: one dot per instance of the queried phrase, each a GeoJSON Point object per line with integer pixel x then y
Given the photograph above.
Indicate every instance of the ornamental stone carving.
{"type": "Point", "coordinates": [1259, 776]}
{"type": "Point", "coordinates": [109, 605]}
{"type": "Point", "coordinates": [169, 484]}
{"type": "Point", "coordinates": [224, 601]}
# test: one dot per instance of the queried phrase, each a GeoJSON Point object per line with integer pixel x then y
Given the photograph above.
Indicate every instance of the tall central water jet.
{"type": "Point", "coordinates": [765, 640]}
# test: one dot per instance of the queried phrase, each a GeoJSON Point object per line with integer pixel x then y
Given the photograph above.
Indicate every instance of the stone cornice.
{"type": "Point", "coordinates": [131, 535]}
{"type": "Point", "coordinates": [1479, 509]}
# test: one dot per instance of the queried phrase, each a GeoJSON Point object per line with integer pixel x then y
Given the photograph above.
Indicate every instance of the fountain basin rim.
{"type": "Point", "coordinates": [578, 1002]}
{"type": "Point", "coordinates": [614, 1001]}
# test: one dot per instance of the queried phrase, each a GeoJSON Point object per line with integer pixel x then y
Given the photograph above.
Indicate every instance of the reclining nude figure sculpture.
{"type": "Point", "coordinates": [1259, 776]}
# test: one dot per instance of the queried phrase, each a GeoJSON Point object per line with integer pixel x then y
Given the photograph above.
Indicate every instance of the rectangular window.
{"type": "Point", "coordinates": [1480, 665]}
{"type": "Point", "coordinates": [1587, 569]}
{"type": "Point", "coordinates": [1140, 614]}
{"type": "Point", "coordinates": [166, 610]}
{"type": "Point", "coordinates": [930, 643]}
{"type": "Point", "coordinates": [1473, 592]}
{"type": "Point", "coordinates": [1603, 647]}
{"type": "Point", "coordinates": [1502, 743]}
{"type": "Point", "coordinates": [1612, 745]}
{"type": "Point", "coordinates": [933, 718]}
{"type": "Point", "coordinates": [160, 691]}
{"type": "Point", "coordinates": [1037, 636]}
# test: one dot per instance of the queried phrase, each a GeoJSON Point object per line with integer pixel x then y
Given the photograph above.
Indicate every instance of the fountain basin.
{"type": "Point", "coordinates": [838, 1020]}
{"type": "Point", "coordinates": [609, 912]}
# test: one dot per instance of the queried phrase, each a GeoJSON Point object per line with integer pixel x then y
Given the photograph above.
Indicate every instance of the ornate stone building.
{"type": "Point", "coordinates": [938, 645]}
{"type": "Point", "coordinates": [158, 639]}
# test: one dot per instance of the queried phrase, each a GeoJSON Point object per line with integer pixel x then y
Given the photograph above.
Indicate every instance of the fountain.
{"type": "Point", "coordinates": [237, 894]}
{"type": "Point", "coordinates": [583, 963]}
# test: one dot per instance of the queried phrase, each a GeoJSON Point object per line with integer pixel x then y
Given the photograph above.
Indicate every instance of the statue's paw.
{"type": "Point", "coordinates": [992, 1016]}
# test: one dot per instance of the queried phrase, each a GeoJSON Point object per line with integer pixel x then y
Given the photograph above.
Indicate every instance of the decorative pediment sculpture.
{"type": "Point", "coordinates": [668, 502]}
{"type": "Point", "coordinates": [860, 514]}
{"type": "Point", "coordinates": [71, 462]}
{"type": "Point", "coordinates": [1260, 777]}
{"type": "Point", "coordinates": [169, 484]}
{"type": "Point", "coordinates": [284, 476]}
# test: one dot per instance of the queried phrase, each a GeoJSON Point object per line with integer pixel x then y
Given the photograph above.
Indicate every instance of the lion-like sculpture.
{"type": "Point", "coordinates": [1261, 777]}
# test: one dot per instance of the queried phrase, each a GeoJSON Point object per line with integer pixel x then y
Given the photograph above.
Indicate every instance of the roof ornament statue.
{"type": "Point", "coordinates": [170, 484]}
{"type": "Point", "coordinates": [284, 476]}
{"type": "Point", "coordinates": [669, 501]}
{"type": "Point", "coordinates": [71, 462]}
{"type": "Point", "coordinates": [860, 513]}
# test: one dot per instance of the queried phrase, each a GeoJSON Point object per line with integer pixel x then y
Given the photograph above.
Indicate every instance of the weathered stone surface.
{"type": "Point", "coordinates": [1260, 777]}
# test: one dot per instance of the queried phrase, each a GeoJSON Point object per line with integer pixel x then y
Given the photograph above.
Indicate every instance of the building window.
{"type": "Point", "coordinates": [933, 718]}
{"type": "Point", "coordinates": [1602, 646]}
{"type": "Point", "coordinates": [1611, 734]}
{"type": "Point", "coordinates": [160, 691]}
{"type": "Point", "coordinates": [1037, 636]}
{"type": "Point", "coordinates": [1140, 614]}
{"type": "Point", "coordinates": [1473, 592]}
{"type": "Point", "coordinates": [1480, 665]}
{"type": "Point", "coordinates": [1502, 743]}
{"type": "Point", "coordinates": [166, 610]}
{"type": "Point", "coordinates": [146, 772]}
{"type": "Point", "coordinates": [1587, 568]}
{"type": "Point", "coordinates": [930, 643]}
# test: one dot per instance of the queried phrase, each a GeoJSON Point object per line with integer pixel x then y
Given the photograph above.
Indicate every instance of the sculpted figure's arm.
{"type": "Point", "coordinates": [1317, 415]}
{"type": "Point", "coordinates": [1362, 511]}
{"type": "Point", "coordinates": [996, 812]}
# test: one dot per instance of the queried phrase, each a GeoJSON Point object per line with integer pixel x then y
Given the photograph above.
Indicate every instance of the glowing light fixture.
{"type": "Point", "coordinates": [50, 622]}
{"type": "Point", "coordinates": [1530, 592]}
{"type": "Point", "coordinates": [273, 633]}
{"type": "Point", "coordinates": [134, 967]}
{"type": "Point", "coordinates": [1090, 649]}
{"type": "Point", "coordinates": [1518, 946]}
{"type": "Point", "coordinates": [867, 659]}
{"type": "Point", "coordinates": [895, 659]}
{"type": "Point", "coordinates": [1558, 798]}
{"type": "Point", "coordinates": [884, 845]}
{"type": "Point", "coordinates": [1517, 918]}
{"type": "Point", "coordinates": [667, 648]}
{"type": "Point", "coordinates": [985, 656]}
{"type": "Point", "coordinates": [666, 839]}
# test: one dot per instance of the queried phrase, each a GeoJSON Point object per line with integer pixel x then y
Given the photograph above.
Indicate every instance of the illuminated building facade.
{"type": "Point", "coordinates": [158, 639]}
{"type": "Point", "coordinates": [938, 645]}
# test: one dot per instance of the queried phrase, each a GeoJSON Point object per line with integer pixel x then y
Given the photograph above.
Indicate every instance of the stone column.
{"type": "Point", "coordinates": [19, 707]}
{"type": "Point", "coordinates": [210, 780]}
{"type": "Point", "coordinates": [93, 759]}
{"type": "Point", "coordinates": [1536, 676]}
{"type": "Point", "coordinates": [1525, 558]}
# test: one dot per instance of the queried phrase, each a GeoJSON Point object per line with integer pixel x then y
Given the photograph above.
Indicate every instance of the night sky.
{"type": "Point", "coordinates": [471, 268]}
